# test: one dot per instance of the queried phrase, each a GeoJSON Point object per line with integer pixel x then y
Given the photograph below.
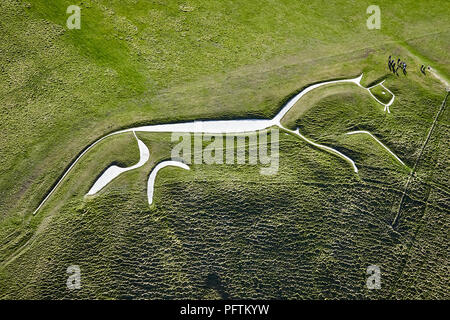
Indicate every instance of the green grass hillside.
{"type": "Point", "coordinates": [223, 231]}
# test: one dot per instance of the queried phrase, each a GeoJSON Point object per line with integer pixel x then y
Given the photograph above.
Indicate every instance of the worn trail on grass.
{"type": "Point", "coordinates": [430, 132]}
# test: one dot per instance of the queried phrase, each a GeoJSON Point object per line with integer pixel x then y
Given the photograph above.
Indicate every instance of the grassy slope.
{"type": "Point", "coordinates": [419, 277]}
{"type": "Point", "coordinates": [219, 60]}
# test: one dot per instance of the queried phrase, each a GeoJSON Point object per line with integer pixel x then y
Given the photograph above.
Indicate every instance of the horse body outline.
{"type": "Point", "coordinates": [211, 127]}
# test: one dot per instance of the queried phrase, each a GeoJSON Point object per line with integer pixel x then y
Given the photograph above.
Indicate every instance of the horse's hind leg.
{"type": "Point", "coordinates": [154, 172]}
{"type": "Point", "coordinates": [114, 171]}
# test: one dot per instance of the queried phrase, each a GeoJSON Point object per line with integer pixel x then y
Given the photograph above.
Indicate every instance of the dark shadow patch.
{"type": "Point", "coordinates": [213, 281]}
{"type": "Point", "coordinates": [377, 81]}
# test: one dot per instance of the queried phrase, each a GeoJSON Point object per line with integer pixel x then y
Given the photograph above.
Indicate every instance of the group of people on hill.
{"type": "Point", "coordinates": [395, 66]}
